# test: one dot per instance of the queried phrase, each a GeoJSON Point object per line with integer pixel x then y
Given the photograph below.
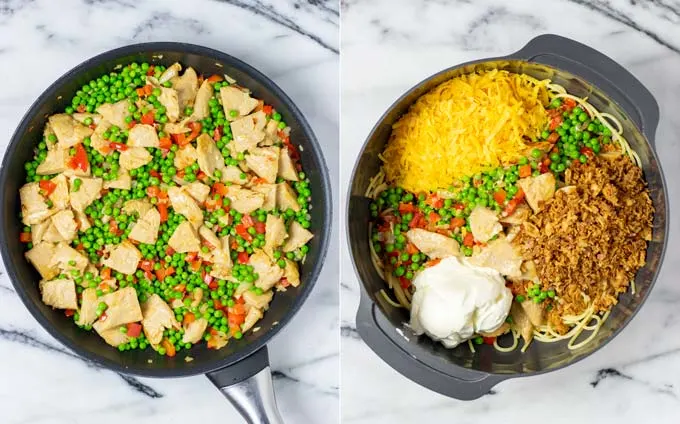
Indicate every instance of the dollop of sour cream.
{"type": "Point", "coordinates": [454, 300]}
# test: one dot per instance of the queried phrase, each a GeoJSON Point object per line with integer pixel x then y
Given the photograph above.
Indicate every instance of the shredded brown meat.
{"type": "Point", "coordinates": [591, 238]}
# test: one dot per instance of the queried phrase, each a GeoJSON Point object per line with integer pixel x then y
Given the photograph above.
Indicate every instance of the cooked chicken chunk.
{"type": "Point", "coordinates": [67, 258]}
{"type": "Point", "coordinates": [243, 200]}
{"type": "Point", "coordinates": [60, 197]}
{"type": "Point", "coordinates": [222, 260]}
{"type": "Point", "coordinates": [275, 234]}
{"type": "Point", "coordinates": [291, 273]}
{"type": "Point", "coordinates": [287, 169]}
{"type": "Point", "coordinates": [157, 316]}
{"type": "Point", "coordinates": [97, 140]}
{"type": "Point", "coordinates": [298, 236]}
{"type": "Point", "coordinates": [38, 231]}
{"type": "Point", "coordinates": [484, 224]}
{"type": "Point", "coordinates": [184, 204]}
{"type": "Point", "coordinates": [269, 193]}
{"type": "Point", "coordinates": [538, 189]}
{"type": "Point", "coordinates": [90, 190]}
{"type": "Point", "coordinates": [286, 198]}
{"type": "Point", "coordinates": [432, 244]}
{"type": "Point", "coordinates": [123, 308]}
{"type": "Point", "coordinates": [59, 293]}
{"type": "Point", "coordinates": [51, 234]}
{"type": "Point", "coordinates": [209, 237]}
{"type": "Point", "coordinates": [81, 117]}
{"type": "Point", "coordinates": [521, 322]}
{"type": "Point", "coordinates": [65, 223]}
{"type": "Point", "coordinates": [201, 106]}
{"type": "Point", "coordinates": [209, 156]}
{"type": "Point", "coordinates": [123, 258]}
{"type": "Point", "coordinates": [271, 136]}
{"type": "Point", "coordinates": [41, 257]}
{"type": "Point", "coordinates": [145, 229]}
{"type": "Point", "coordinates": [233, 174]}
{"type": "Point", "coordinates": [113, 336]}
{"type": "Point", "coordinates": [134, 157]}
{"type": "Point", "coordinates": [185, 156]}
{"type": "Point", "coordinates": [69, 132]}
{"type": "Point", "coordinates": [535, 312]}
{"type": "Point", "coordinates": [140, 206]}
{"type": "Point", "coordinates": [169, 98]}
{"type": "Point", "coordinates": [264, 161]}
{"type": "Point", "coordinates": [269, 273]}
{"type": "Point", "coordinates": [122, 182]}
{"type": "Point", "coordinates": [260, 301]}
{"type": "Point", "coordinates": [193, 332]}
{"type": "Point", "coordinates": [143, 135]}
{"type": "Point", "coordinates": [115, 113]}
{"type": "Point", "coordinates": [238, 100]}
{"type": "Point", "coordinates": [34, 207]}
{"type": "Point", "coordinates": [187, 87]}
{"type": "Point", "coordinates": [185, 239]}
{"type": "Point", "coordinates": [500, 255]}
{"type": "Point", "coordinates": [198, 191]}
{"type": "Point", "coordinates": [518, 216]}
{"type": "Point", "coordinates": [252, 317]}
{"type": "Point", "coordinates": [180, 127]}
{"type": "Point", "coordinates": [247, 132]}
{"type": "Point", "coordinates": [54, 163]}
{"type": "Point", "coordinates": [88, 307]}
{"type": "Point", "coordinates": [170, 72]}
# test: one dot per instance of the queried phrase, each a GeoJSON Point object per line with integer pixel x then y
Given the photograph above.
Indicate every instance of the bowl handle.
{"type": "Point", "coordinates": [599, 70]}
{"type": "Point", "coordinates": [392, 347]}
{"type": "Point", "coordinates": [248, 386]}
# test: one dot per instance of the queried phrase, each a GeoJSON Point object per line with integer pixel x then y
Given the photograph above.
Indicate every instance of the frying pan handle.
{"type": "Point", "coordinates": [248, 386]}
{"type": "Point", "coordinates": [387, 342]}
{"type": "Point", "coordinates": [600, 70]}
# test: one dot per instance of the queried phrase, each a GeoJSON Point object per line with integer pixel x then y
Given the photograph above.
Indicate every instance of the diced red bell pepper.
{"type": "Point", "coordinates": [468, 240]}
{"type": "Point", "coordinates": [524, 171]}
{"type": "Point", "coordinates": [148, 118]}
{"type": "Point", "coordinates": [407, 208]}
{"type": "Point", "coordinates": [267, 109]}
{"type": "Point", "coordinates": [25, 237]}
{"type": "Point", "coordinates": [220, 189]}
{"type": "Point", "coordinates": [260, 227]}
{"type": "Point", "coordinates": [555, 122]}
{"type": "Point", "coordinates": [215, 78]}
{"type": "Point", "coordinates": [165, 143]}
{"type": "Point", "coordinates": [552, 138]}
{"type": "Point", "coordinates": [134, 329]}
{"type": "Point", "coordinates": [118, 146]}
{"type": "Point", "coordinates": [79, 160]}
{"type": "Point", "coordinates": [489, 340]}
{"type": "Point", "coordinates": [242, 231]}
{"type": "Point", "coordinates": [47, 186]}
{"type": "Point", "coordinates": [163, 211]}
{"type": "Point", "coordinates": [457, 223]}
{"type": "Point", "coordinates": [243, 258]}
{"type": "Point", "coordinates": [404, 282]}
{"type": "Point", "coordinates": [499, 196]}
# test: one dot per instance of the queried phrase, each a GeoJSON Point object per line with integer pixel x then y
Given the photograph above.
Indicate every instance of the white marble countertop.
{"type": "Point", "coordinates": [387, 47]}
{"type": "Point", "coordinates": [294, 43]}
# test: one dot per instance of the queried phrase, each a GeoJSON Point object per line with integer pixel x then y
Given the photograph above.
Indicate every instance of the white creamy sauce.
{"type": "Point", "coordinates": [454, 300]}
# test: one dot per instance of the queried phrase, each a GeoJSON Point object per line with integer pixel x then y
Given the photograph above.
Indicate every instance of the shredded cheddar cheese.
{"type": "Point", "coordinates": [463, 126]}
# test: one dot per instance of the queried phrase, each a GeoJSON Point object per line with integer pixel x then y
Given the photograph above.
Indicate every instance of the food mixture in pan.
{"type": "Point", "coordinates": [507, 206]}
{"type": "Point", "coordinates": [163, 208]}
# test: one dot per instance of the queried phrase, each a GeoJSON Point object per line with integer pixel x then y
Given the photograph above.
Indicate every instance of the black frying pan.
{"type": "Point", "coordinates": [459, 373]}
{"type": "Point", "coordinates": [240, 369]}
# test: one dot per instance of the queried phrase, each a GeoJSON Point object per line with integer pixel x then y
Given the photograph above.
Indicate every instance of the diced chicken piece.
{"type": "Point", "coordinates": [113, 336]}
{"type": "Point", "coordinates": [264, 161]}
{"type": "Point", "coordinates": [140, 206]}
{"type": "Point", "coordinates": [83, 221]}
{"type": "Point", "coordinates": [209, 156]}
{"type": "Point", "coordinates": [502, 329]}
{"type": "Point", "coordinates": [233, 174]}
{"type": "Point", "coordinates": [269, 193]}
{"type": "Point", "coordinates": [88, 307]}
{"type": "Point", "coordinates": [538, 189]}
{"type": "Point", "coordinates": [298, 236]}
{"type": "Point", "coordinates": [170, 100]}
{"type": "Point", "coordinates": [81, 117]}
{"type": "Point", "coordinates": [60, 197]}
{"type": "Point", "coordinates": [253, 316]}
{"type": "Point", "coordinates": [275, 234]}
{"type": "Point", "coordinates": [196, 297]}
{"type": "Point", "coordinates": [185, 156]}
{"type": "Point", "coordinates": [210, 237]}
{"type": "Point", "coordinates": [193, 333]}
{"type": "Point", "coordinates": [122, 182]}
{"type": "Point", "coordinates": [287, 169]}
{"type": "Point", "coordinates": [123, 308]}
{"type": "Point", "coordinates": [243, 200]}
{"type": "Point", "coordinates": [97, 140]}
{"type": "Point", "coordinates": [242, 288]}
{"type": "Point", "coordinates": [123, 258]}
{"type": "Point", "coordinates": [41, 257]}
{"type": "Point", "coordinates": [157, 316]}
{"type": "Point", "coordinates": [145, 229]}
{"type": "Point", "coordinates": [67, 258]}
{"type": "Point", "coordinates": [185, 239]}
{"type": "Point", "coordinates": [187, 87]}
{"type": "Point", "coordinates": [521, 322]}
{"type": "Point", "coordinates": [521, 214]}
{"type": "Point", "coordinates": [201, 104]}
{"type": "Point", "coordinates": [115, 113]}
{"type": "Point", "coordinates": [198, 191]}
{"type": "Point", "coordinates": [535, 312]}
{"type": "Point", "coordinates": [134, 157]}
{"type": "Point", "coordinates": [500, 255]}
{"type": "Point", "coordinates": [65, 223]}
{"type": "Point", "coordinates": [291, 273]}
{"type": "Point", "coordinates": [47, 132]}
{"type": "Point", "coordinates": [170, 72]}
{"type": "Point", "coordinates": [143, 135]}
{"type": "Point", "coordinates": [269, 273]}
{"type": "Point", "coordinates": [238, 100]}
{"type": "Point", "coordinates": [34, 207]}
{"type": "Point", "coordinates": [60, 294]}
{"type": "Point", "coordinates": [38, 231]}
{"type": "Point", "coordinates": [51, 234]}
{"type": "Point", "coordinates": [286, 198]}
{"type": "Point", "coordinates": [69, 132]}
{"type": "Point", "coordinates": [259, 301]}
{"type": "Point", "coordinates": [218, 340]}
{"type": "Point", "coordinates": [271, 134]}
{"type": "Point", "coordinates": [484, 224]}
{"type": "Point", "coordinates": [184, 204]}
{"type": "Point", "coordinates": [89, 191]}
{"type": "Point", "coordinates": [432, 244]}
{"type": "Point", "coordinates": [247, 133]}
{"type": "Point", "coordinates": [180, 127]}
{"type": "Point", "coordinates": [222, 259]}
{"type": "Point", "coordinates": [54, 163]}
{"type": "Point", "coordinates": [568, 189]}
